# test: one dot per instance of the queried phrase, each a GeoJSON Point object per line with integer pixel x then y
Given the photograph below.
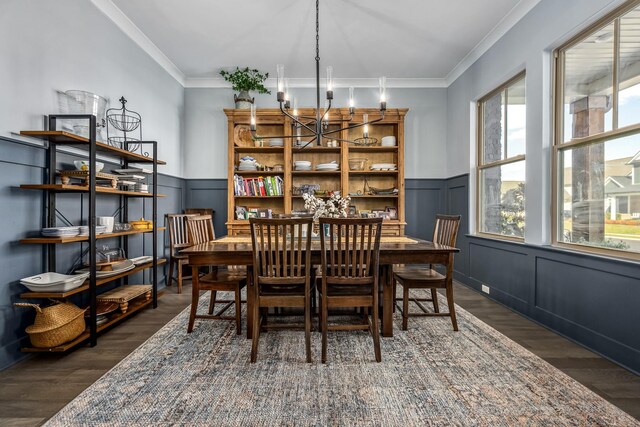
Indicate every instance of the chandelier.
{"type": "Point", "coordinates": [317, 126]}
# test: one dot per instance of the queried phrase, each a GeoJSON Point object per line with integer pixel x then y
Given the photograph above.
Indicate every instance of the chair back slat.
{"type": "Point", "coordinates": [341, 258]}
{"type": "Point", "coordinates": [279, 249]}
{"type": "Point", "coordinates": [178, 235]}
{"type": "Point", "coordinates": [200, 229]}
{"type": "Point", "coordinates": [445, 231]}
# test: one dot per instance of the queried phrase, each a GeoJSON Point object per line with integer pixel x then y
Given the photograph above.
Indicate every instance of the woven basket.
{"type": "Point", "coordinates": [55, 325]}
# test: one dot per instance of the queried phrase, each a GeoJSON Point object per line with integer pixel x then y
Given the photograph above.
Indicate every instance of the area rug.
{"type": "Point", "coordinates": [429, 375]}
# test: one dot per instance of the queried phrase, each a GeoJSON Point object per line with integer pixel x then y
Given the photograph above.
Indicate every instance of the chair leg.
{"type": "Point", "coordinates": [376, 332]}
{"type": "Point", "coordinates": [195, 270]}
{"type": "Point", "coordinates": [212, 302]}
{"type": "Point", "coordinates": [434, 297]}
{"type": "Point", "coordinates": [323, 319]}
{"type": "Point", "coordinates": [395, 290]}
{"type": "Point", "coordinates": [452, 310]}
{"type": "Point", "coordinates": [171, 262]}
{"type": "Point", "coordinates": [195, 296]}
{"type": "Point", "coordinates": [405, 307]}
{"type": "Point", "coordinates": [307, 327]}
{"type": "Point", "coordinates": [256, 331]}
{"type": "Point", "coordinates": [238, 311]}
{"type": "Point", "coordinates": [320, 314]}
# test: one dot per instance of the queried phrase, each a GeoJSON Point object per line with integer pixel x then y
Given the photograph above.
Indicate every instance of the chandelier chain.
{"type": "Point", "coordinates": [317, 30]}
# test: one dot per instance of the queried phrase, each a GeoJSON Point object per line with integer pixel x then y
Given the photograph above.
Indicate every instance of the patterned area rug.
{"type": "Point", "coordinates": [429, 375]}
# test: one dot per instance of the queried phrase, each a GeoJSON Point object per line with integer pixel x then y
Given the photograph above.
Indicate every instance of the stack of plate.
{"type": "Point", "coordinates": [276, 142]}
{"type": "Point", "coordinates": [84, 230]}
{"type": "Point", "coordinates": [302, 165]}
{"type": "Point", "coordinates": [333, 166]}
{"type": "Point", "coordinates": [60, 231]}
{"type": "Point", "coordinates": [248, 164]}
{"type": "Point", "coordinates": [384, 167]}
{"type": "Point", "coordinates": [141, 188]}
{"type": "Point", "coordinates": [54, 282]}
{"type": "Point", "coordinates": [118, 268]}
{"type": "Point", "coordinates": [388, 141]}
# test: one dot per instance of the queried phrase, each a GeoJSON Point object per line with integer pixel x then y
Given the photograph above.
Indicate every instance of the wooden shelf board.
{"type": "Point", "coordinates": [61, 137]}
{"type": "Point", "coordinates": [56, 240]}
{"type": "Point", "coordinates": [134, 307]}
{"type": "Point", "coordinates": [385, 196]}
{"type": "Point", "coordinates": [376, 149]}
{"type": "Point", "coordinates": [259, 197]}
{"type": "Point", "coordinates": [315, 150]}
{"type": "Point", "coordinates": [85, 287]}
{"type": "Point", "coordinates": [259, 150]}
{"type": "Point", "coordinates": [302, 173]}
{"type": "Point", "coordinates": [85, 189]}
{"type": "Point", "coordinates": [258, 173]}
{"type": "Point", "coordinates": [373, 172]}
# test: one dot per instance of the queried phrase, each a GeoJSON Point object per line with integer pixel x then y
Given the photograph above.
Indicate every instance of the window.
{"type": "Point", "coordinates": [597, 136]}
{"type": "Point", "coordinates": [501, 161]}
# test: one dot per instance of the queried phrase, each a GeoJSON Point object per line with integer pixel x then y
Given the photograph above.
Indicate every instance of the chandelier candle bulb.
{"type": "Point", "coordinates": [329, 82]}
{"type": "Point", "coordinates": [365, 131]}
{"type": "Point", "coordinates": [352, 101]}
{"type": "Point", "coordinates": [252, 123]}
{"type": "Point", "coordinates": [280, 80]}
{"type": "Point", "coordinates": [287, 99]}
{"type": "Point", "coordinates": [383, 93]}
{"type": "Point", "coordinates": [295, 107]}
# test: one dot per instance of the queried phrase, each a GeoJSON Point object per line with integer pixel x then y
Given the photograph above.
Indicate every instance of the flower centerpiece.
{"type": "Point", "coordinates": [334, 207]}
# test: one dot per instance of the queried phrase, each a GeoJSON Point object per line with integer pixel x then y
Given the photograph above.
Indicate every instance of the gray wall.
{"type": "Point", "coordinates": [69, 44]}
{"type": "Point", "coordinates": [425, 127]}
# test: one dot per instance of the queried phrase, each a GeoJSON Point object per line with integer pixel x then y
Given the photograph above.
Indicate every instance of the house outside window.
{"type": "Point", "coordinates": [501, 160]}
{"type": "Point", "coordinates": [597, 137]}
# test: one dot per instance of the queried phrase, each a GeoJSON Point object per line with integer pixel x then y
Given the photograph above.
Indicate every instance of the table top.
{"type": "Point", "coordinates": [219, 246]}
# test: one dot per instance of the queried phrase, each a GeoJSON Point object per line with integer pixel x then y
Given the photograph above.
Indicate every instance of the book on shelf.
{"type": "Point", "coordinates": [258, 187]}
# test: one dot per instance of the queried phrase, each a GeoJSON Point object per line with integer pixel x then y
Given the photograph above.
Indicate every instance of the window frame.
{"type": "Point", "coordinates": [480, 161]}
{"type": "Point", "coordinates": [559, 145]}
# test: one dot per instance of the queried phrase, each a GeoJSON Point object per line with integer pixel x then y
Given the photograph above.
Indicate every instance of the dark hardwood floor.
{"type": "Point", "coordinates": [35, 389]}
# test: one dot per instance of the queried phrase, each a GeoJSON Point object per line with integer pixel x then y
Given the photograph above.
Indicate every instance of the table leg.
{"type": "Point", "coordinates": [195, 296]}
{"type": "Point", "coordinates": [387, 301]}
{"type": "Point", "coordinates": [250, 301]}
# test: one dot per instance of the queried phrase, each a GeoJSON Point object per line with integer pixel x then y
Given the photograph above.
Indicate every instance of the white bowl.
{"type": "Point", "coordinates": [388, 141]}
{"type": "Point", "coordinates": [83, 165]}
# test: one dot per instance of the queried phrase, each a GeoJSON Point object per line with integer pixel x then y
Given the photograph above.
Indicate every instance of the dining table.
{"type": "Point", "coordinates": [394, 250]}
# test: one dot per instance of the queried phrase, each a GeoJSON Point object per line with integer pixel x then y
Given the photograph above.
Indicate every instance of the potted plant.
{"type": "Point", "coordinates": [243, 81]}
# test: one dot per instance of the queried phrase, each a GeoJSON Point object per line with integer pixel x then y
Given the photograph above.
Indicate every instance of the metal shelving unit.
{"type": "Point", "coordinates": [55, 139]}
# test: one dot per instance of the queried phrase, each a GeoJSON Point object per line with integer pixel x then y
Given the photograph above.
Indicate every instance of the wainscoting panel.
{"type": "Point", "coordinates": [505, 271]}
{"type": "Point", "coordinates": [591, 300]}
{"type": "Point", "coordinates": [209, 193]}
{"type": "Point", "coordinates": [424, 199]}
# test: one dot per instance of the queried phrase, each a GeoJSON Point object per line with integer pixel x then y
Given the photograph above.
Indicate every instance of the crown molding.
{"type": "Point", "coordinates": [127, 26]}
{"type": "Point", "coordinates": [505, 24]}
{"type": "Point", "coordinates": [217, 82]}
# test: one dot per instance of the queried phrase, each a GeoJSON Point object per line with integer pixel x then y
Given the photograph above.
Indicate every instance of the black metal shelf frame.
{"type": "Point", "coordinates": [50, 217]}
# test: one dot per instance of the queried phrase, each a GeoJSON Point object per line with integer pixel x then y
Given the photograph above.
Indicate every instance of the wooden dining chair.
{"type": "Point", "coordinates": [445, 233]}
{"type": "Point", "coordinates": [282, 272]}
{"type": "Point", "coordinates": [350, 259]}
{"type": "Point", "coordinates": [178, 239]}
{"type": "Point", "coordinates": [230, 279]}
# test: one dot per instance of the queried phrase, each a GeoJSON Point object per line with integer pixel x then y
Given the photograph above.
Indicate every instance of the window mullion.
{"type": "Point", "coordinates": [506, 116]}
{"type": "Point", "coordinates": [616, 71]}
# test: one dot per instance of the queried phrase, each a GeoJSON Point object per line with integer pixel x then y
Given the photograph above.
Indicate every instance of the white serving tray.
{"type": "Point", "coordinates": [54, 282]}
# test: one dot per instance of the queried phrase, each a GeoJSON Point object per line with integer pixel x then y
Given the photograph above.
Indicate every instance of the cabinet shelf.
{"type": "Point", "coordinates": [62, 240]}
{"type": "Point", "coordinates": [85, 286]}
{"type": "Point", "coordinates": [307, 173]}
{"type": "Point", "coordinates": [134, 306]}
{"type": "Point", "coordinates": [373, 172]}
{"type": "Point", "coordinates": [377, 196]}
{"type": "Point", "coordinates": [259, 197]}
{"type": "Point", "coordinates": [259, 173]}
{"type": "Point", "coordinates": [260, 150]}
{"type": "Point", "coordinates": [375, 149]}
{"type": "Point", "coordinates": [66, 138]}
{"type": "Point", "coordinates": [85, 189]}
{"type": "Point", "coordinates": [315, 150]}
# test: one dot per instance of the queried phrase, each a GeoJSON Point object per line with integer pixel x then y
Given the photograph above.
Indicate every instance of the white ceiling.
{"type": "Point", "coordinates": [402, 39]}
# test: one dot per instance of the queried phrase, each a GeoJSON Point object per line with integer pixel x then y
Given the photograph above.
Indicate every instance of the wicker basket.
{"type": "Point", "coordinates": [55, 325]}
